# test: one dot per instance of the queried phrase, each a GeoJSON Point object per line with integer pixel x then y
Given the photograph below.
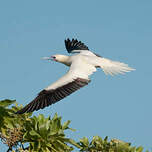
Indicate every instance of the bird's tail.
{"type": "Point", "coordinates": [114, 67]}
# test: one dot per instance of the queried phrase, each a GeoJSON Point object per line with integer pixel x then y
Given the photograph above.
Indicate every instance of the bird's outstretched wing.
{"type": "Point", "coordinates": [76, 77]}
{"type": "Point", "coordinates": [73, 45]}
{"type": "Point", "coordinates": [48, 97]}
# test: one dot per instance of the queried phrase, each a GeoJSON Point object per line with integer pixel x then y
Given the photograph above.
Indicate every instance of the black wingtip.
{"type": "Point", "coordinates": [28, 108]}
{"type": "Point", "coordinates": [19, 112]}
{"type": "Point", "coordinates": [49, 97]}
{"type": "Point", "coordinates": [74, 44]}
{"type": "Point", "coordinates": [22, 111]}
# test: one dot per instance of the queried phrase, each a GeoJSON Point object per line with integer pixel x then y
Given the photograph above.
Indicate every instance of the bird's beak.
{"type": "Point", "coordinates": [47, 58]}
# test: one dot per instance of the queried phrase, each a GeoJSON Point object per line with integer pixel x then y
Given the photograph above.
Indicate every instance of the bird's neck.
{"type": "Point", "coordinates": [65, 60]}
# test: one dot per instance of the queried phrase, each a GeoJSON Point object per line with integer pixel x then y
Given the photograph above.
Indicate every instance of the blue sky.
{"type": "Point", "coordinates": [118, 107]}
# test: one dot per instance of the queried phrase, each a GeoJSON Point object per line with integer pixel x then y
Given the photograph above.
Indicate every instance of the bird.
{"type": "Point", "coordinates": [82, 64]}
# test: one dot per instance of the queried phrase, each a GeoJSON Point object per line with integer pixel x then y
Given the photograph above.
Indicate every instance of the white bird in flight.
{"type": "Point", "coordinates": [82, 64]}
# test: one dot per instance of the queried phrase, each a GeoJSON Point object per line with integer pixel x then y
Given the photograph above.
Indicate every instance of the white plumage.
{"type": "Point", "coordinates": [82, 64]}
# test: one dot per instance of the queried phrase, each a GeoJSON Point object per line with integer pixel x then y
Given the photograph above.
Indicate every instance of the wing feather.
{"type": "Point", "coordinates": [49, 97]}
{"type": "Point", "coordinates": [74, 44]}
{"type": "Point", "coordinates": [114, 67]}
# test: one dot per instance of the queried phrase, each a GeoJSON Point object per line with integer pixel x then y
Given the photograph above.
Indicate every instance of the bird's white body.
{"type": "Point", "coordinates": [79, 68]}
{"type": "Point", "coordinates": [83, 64]}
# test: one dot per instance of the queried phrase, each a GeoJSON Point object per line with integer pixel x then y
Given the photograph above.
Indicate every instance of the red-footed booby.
{"type": "Point", "coordinates": [82, 64]}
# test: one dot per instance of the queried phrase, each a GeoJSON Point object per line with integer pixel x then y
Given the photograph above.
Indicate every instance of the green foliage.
{"type": "Point", "coordinates": [4, 112]}
{"type": "Point", "coordinates": [102, 145]}
{"type": "Point", "coordinates": [46, 134]}
{"type": "Point", "coordinates": [42, 134]}
{"type": "Point", "coordinates": [11, 125]}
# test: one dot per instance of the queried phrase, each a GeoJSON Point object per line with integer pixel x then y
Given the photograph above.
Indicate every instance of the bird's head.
{"type": "Point", "coordinates": [58, 58]}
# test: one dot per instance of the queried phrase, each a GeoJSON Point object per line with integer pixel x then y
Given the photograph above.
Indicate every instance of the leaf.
{"type": "Point", "coordinates": [98, 140]}
{"type": "Point", "coordinates": [9, 123]}
{"type": "Point", "coordinates": [6, 102]}
{"type": "Point", "coordinates": [71, 141]}
{"type": "Point", "coordinates": [55, 117]}
{"type": "Point", "coordinates": [34, 133]}
{"type": "Point", "coordinates": [47, 150]}
{"type": "Point", "coordinates": [85, 141]}
{"type": "Point", "coordinates": [65, 125]}
{"type": "Point", "coordinates": [139, 149]}
{"type": "Point", "coordinates": [72, 129]}
{"type": "Point", "coordinates": [50, 146]}
{"type": "Point", "coordinates": [4, 131]}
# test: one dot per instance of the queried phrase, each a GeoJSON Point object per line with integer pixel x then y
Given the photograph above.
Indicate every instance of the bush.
{"type": "Point", "coordinates": [40, 134]}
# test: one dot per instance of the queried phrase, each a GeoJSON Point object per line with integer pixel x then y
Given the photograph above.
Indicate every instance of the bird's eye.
{"type": "Point", "coordinates": [53, 57]}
